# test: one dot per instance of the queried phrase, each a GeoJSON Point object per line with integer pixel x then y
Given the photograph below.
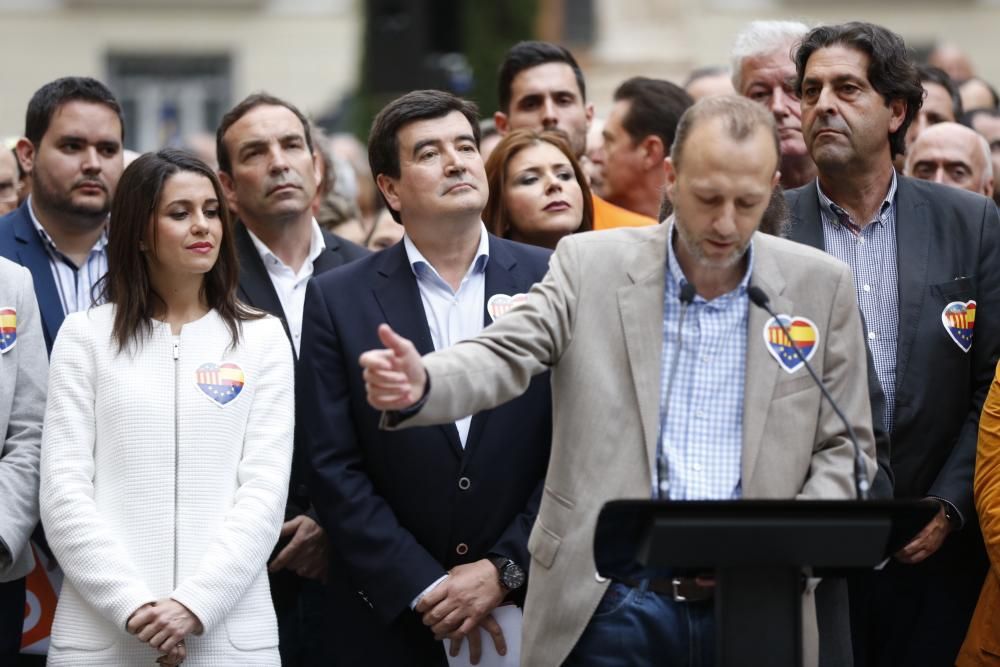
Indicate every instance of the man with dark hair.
{"type": "Point", "coordinates": [429, 527]}
{"type": "Point", "coordinates": [987, 123]}
{"type": "Point", "coordinates": [630, 422]}
{"type": "Point", "coordinates": [73, 150]}
{"type": "Point", "coordinates": [637, 138]}
{"type": "Point", "coordinates": [942, 104]}
{"type": "Point", "coordinates": [540, 86]}
{"type": "Point", "coordinates": [926, 262]}
{"type": "Point", "coordinates": [270, 174]}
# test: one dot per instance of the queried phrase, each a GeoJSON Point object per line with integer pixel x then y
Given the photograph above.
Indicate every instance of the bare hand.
{"type": "Point", "coordinates": [394, 377]}
{"type": "Point", "coordinates": [927, 541]}
{"type": "Point", "coordinates": [164, 624]}
{"type": "Point", "coordinates": [306, 553]}
{"type": "Point", "coordinates": [463, 600]}
{"type": "Point", "coordinates": [488, 624]}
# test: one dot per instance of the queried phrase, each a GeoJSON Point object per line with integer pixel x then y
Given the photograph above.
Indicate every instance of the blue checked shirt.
{"type": "Point", "coordinates": [701, 431]}
{"type": "Point", "coordinates": [76, 284]}
{"type": "Point", "coordinates": [871, 254]}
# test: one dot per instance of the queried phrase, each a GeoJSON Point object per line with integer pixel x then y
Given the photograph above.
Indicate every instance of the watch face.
{"type": "Point", "coordinates": [512, 577]}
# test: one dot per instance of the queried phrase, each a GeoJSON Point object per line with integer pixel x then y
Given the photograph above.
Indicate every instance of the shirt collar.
{"type": "Point", "coordinates": [837, 214]}
{"type": "Point", "coordinates": [99, 245]}
{"type": "Point", "coordinates": [677, 279]}
{"type": "Point", "coordinates": [419, 264]}
{"type": "Point", "coordinates": [316, 244]}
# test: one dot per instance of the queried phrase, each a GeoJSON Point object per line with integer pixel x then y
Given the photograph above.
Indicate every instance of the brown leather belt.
{"type": "Point", "coordinates": [681, 589]}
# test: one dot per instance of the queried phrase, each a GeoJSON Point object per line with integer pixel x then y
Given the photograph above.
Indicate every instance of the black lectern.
{"type": "Point", "coordinates": [758, 550]}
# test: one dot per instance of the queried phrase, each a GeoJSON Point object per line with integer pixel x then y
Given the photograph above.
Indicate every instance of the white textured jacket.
{"type": "Point", "coordinates": [164, 473]}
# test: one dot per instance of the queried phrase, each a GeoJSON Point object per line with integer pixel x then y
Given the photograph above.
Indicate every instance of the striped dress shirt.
{"type": "Point", "coordinates": [870, 251]}
{"type": "Point", "coordinates": [701, 430]}
{"type": "Point", "coordinates": [75, 284]}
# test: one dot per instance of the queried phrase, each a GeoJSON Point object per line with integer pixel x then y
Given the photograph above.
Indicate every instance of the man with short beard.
{"type": "Point", "coordinates": [73, 150]}
{"type": "Point", "coordinates": [72, 147]}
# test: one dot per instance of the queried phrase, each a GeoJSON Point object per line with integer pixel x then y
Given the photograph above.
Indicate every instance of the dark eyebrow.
{"type": "Point", "coordinates": [465, 137]}
{"type": "Point", "coordinates": [253, 143]}
{"type": "Point", "coordinates": [420, 145]}
{"type": "Point", "coordinates": [189, 203]}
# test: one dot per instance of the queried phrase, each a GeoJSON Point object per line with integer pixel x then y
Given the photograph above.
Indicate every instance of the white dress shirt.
{"type": "Point", "coordinates": [451, 315]}
{"type": "Point", "coordinates": [289, 285]}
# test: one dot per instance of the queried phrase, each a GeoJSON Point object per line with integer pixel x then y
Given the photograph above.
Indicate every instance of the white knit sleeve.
{"type": "Point", "coordinates": [91, 556]}
{"type": "Point", "coordinates": [250, 528]}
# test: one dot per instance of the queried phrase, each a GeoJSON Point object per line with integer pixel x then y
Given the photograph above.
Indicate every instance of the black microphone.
{"type": "Point", "coordinates": [861, 483]}
{"type": "Point", "coordinates": [661, 489]}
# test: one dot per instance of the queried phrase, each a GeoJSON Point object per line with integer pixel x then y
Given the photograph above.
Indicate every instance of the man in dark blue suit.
{"type": "Point", "coordinates": [73, 151]}
{"type": "Point", "coordinates": [428, 527]}
{"type": "Point", "coordinates": [269, 169]}
{"type": "Point", "coordinates": [926, 263]}
{"type": "Point", "coordinates": [72, 148]}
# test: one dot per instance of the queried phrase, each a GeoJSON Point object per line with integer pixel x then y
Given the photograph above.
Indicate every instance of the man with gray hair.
{"type": "Point", "coordinates": [607, 320]}
{"type": "Point", "coordinates": [952, 154]}
{"type": "Point", "coordinates": [764, 72]}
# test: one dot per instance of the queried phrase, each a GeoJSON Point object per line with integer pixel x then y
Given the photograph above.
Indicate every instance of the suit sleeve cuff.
{"type": "Point", "coordinates": [954, 516]}
{"type": "Point", "coordinates": [416, 600]}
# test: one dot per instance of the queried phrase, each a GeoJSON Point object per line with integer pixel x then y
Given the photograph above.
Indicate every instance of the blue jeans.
{"type": "Point", "coordinates": [634, 627]}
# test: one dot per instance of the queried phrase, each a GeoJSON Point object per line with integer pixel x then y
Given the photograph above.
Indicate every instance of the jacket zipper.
{"type": "Point", "coordinates": [177, 356]}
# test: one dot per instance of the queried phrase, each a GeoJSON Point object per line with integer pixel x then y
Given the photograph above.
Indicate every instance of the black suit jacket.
{"type": "Point", "coordinates": [257, 290]}
{"type": "Point", "coordinates": [401, 508]}
{"type": "Point", "coordinates": [20, 243]}
{"type": "Point", "coordinates": [948, 249]}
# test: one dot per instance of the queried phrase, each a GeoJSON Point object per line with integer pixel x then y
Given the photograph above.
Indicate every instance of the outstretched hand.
{"type": "Point", "coordinates": [394, 377]}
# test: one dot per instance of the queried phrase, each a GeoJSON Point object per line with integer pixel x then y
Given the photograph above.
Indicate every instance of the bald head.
{"type": "Point", "coordinates": [952, 154]}
{"type": "Point", "coordinates": [952, 60]}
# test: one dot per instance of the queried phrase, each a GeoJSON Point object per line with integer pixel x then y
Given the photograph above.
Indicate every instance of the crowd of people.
{"type": "Point", "coordinates": [273, 404]}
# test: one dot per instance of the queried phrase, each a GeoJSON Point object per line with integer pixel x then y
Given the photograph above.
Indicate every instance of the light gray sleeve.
{"type": "Point", "coordinates": [23, 432]}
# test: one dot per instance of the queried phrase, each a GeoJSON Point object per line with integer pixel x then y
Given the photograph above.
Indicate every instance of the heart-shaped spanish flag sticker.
{"type": "Point", "coordinates": [959, 319]}
{"type": "Point", "coordinates": [8, 329]}
{"type": "Point", "coordinates": [221, 383]}
{"type": "Point", "coordinates": [804, 335]}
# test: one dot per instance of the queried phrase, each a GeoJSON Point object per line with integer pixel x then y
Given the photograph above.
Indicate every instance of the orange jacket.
{"type": "Point", "coordinates": [609, 216]}
{"type": "Point", "coordinates": [982, 643]}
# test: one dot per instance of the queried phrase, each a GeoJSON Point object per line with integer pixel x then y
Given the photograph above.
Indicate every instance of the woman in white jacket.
{"type": "Point", "coordinates": [167, 440]}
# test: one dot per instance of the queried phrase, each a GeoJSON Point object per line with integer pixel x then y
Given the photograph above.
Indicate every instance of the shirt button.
{"type": "Point", "coordinates": [700, 414]}
{"type": "Point", "coordinates": [705, 358]}
{"type": "Point", "coordinates": [462, 549]}
{"type": "Point", "coordinates": [871, 335]}
{"type": "Point", "coordinates": [867, 288]}
{"type": "Point", "coordinates": [861, 241]}
{"type": "Point", "coordinates": [464, 483]}
{"type": "Point", "coordinates": [696, 467]}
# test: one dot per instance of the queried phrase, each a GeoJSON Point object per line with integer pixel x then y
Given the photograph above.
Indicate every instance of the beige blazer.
{"type": "Point", "coordinates": [596, 320]}
{"type": "Point", "coordinates": [24, 369]}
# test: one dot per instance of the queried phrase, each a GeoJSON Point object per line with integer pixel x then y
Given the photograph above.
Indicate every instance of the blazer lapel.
{"type": "Point", "coordinates": [641, 308]}
{"type": "Point", "coordinates": [762, 371]}
{"type": "Point", "coordinates": [399, 298]}
{"type": "Point", "coordinates": [330, 257]}
{"type": "Point", "coordinates": [501, 278]}
{"type": "Point", "coordinates": [807, 226]}
{"type": "Point", "coordinates": [31, 254]}
{"type": "Point", "coordinates": [913, 245]}
{"type": "Point", "coordinates": [256, 287]}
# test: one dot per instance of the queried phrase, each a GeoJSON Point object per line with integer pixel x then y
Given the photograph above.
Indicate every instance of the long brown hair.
{"type": "Point", "coordinates": [495, 215]}
{"type": "Point", "coordinates": [127, 283]}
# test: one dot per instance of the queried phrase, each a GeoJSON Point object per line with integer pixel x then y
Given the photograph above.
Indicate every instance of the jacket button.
{"type": "Point", "coordinates": [464, 483]}
{"type": "Point", "coordinates": [462, 549]}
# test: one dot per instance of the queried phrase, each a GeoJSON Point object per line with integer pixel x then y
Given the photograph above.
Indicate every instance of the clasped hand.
{"type": "Point", "coordinates": [462, 604]}
{"type": "Point", "coordinates": [163, 625]}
